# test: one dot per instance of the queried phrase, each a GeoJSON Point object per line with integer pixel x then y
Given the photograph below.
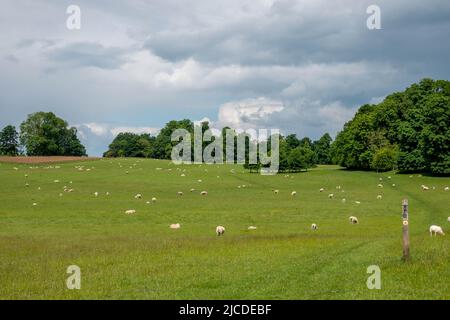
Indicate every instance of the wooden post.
{"type": "Point", "coordinates": [405, 216]}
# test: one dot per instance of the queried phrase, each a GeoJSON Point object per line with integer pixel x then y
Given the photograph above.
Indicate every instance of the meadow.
{"type": "Point", "coordinates": [139, 257]}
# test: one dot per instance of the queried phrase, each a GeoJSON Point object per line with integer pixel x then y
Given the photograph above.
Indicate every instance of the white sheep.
{"type": "Point", "coordinates": [276, 191]}
{"type": "Point", "coordinates": [380, 185]}
{"type": "Point", "coordinates": [220, 230]}
{"type": "Point", "coordinates": [448, 219]}
{"type": "Point", "coordinates": [252, 228]}
{"type": "Point", "coordinates": [96, 194]}
{"type": "Point", "coordinates": [436, 230]}
{"type": "Point", "coordinates": [321, 189]}
{"type": "Point", "coordinates": [331, 196]}
{"type": "Point", "coordinates": [379, 197]}
{"type": "Point", "coordinates": [153, 199]}
{"type": "Point", "coordinates": [192, 190]}
{"type": "Point", "coordinates": [358, 202]}
{"type": "Point", "coordinates": [180, 193]}
{"type": "Point", "coordinates": [204, 193]}
{"type": "Point", "coordinates": [138, 196]}
{"type": "Point", "coordinates": [314, 226]}
{"type": "Point", "coordinates": [130, 212]}
{"type": "Point", "coordinates": [425, 188]}
{"type": "Point", "coordinates": [393, 185]}
{"type": "Point", "coordinates": [446, 189]}
{"type": "Point", "coordinates": [175, 226]}
{"type": "Point", "coordinates": [353, 220]}
{"type": "Point", "coordinates": [293, 193]}
{"type": "Point", "coordinates": [344, 200]}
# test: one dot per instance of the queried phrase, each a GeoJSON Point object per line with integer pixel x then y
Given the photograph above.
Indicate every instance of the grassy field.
{"type": "Point", "coordinates": [140, 257]}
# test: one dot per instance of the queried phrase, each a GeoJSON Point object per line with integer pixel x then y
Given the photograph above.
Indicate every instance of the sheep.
{"type": "Point", "coordinates": [138, 196]}
{"type": "Point", "coordinates": [183, 175]}
{"type": "Point", "coordinates": [192, 190]}
{"type": "Point", "coordinates": [293, 193]}
{"type": "Point", "coordinates": [175, 226]}
{"type": "Point", "coordinates": [180, 193]}
{"type": "Point", "coordinates": [379, 197]}
{"type": "Point", "coordinates": [425, 188]}
{"type": "Point", "coordinates": [56, 181]}
{"type": "Point", "coordinates": [448, 219]}
{"type": "Point", "coordinates": [276, 191]}
{"type": "Point", "coordinates": [34, 204]}
{"type": "Point", "coordinates": [358, 202]}
{"type": "Point", "coordinates": [393, 185]}
{"type": "Point", "coordinates": [446, 189]}
{"type": "Point", "coordinates": [252, 228]}
{"type": "Point", "coordinates": [199, 180]}
{"type": "Point", "coordinates": [331, 196]}
{"type": "Point", "coordinates": [27, 184]}
{"type": "Point", "coordinates": [338, 187]}
{"type": "Point", "coordinates": [220, 230]}
{"type": "Point", "coordinates": [96, 194]}
{"type": "Point", "coordinates": [321, 189]}
{"type": "Point", "coordinates": [204, 193]}
{"type": "Point", "coordinates": [344, 200]}
{"type": "Point", "coordinates": [153, 199]}
{"type": "Point", "coordinates": [436, 230]}
{"type": "Point", "coordinates": [380, 185]}
{"type": "Point", "coordinates": [130, 212]}
{"type": "Point", "coordinates": [353, 220]}
{"type": "Point", "coordinates": [314, 226]}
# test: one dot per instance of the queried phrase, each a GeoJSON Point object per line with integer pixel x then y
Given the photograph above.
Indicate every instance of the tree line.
{"type": "Point", "coordinates": [41, 134]}
{"type": "Point", "coordinates": [408, 131]}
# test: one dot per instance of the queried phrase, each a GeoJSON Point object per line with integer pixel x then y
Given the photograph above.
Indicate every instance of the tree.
{"type": "Point", "coordinates": [322, 149]}
{"type": "Point", "coordinates": [300, 158]}
{"type": "Point", "coordinates": [44, 134]}
{"type": "Point", "coordinates": [128, 144]}
{"type": "Point", "coordinates": [385, 159]}
{"type": "Point", "coordinates": [9, 145]}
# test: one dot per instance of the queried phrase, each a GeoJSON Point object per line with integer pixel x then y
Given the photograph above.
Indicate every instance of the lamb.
{"type": "Point", "coordinates": [436, 230]}
{"type": "Point", "coordinates": [138, 196]}
{"type": "Point", "coordinates": [130, 212]}
{"type": "Point", "coordinates": [353, 220]}
{"type": "Point", "coordinates": [314, 226]}
{"type": "Point", "coordinates": [204, 193]}
{"type": "Point", "coordinates": [175, 226]}
{"type": "Point", "coordinates": [220, 230]}
{"type": "Point", "coordinates": [293, 193]}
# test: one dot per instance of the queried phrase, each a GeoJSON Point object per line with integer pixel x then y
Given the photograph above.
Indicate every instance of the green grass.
{"type": "Point", "coordinates": [139, 257]}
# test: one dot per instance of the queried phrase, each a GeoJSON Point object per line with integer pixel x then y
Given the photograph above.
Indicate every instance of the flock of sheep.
{"type": "Point", "coordinates": [220, 230]}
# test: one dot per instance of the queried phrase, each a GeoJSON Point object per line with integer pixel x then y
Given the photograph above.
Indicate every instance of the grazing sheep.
{"type": "Point", "coordinates": [448, 219]}
{"type": "Point", "coordinates": [344, 200]}
{"type": "Point", "coordinates": [220, 230]}
{"type": "Point", "coordinates": [338, 187]}
{"type": "Point", "coordinates": [358, 202]}
{"type": "Point", "coordinates": [379, 197]}
{"type": "Point", "coordinates": [204, 193]}
{"type": "Point", "coordinates": [179, 193]}
{"type": "Point", "coordinates": [175, 226]}
{"type": "Point", "coordinates": [353, 220]}
{"type": "Point", "coordinates": [436, 230]}
{"type": "Point", "coordinates": [276, 191]}
{"type": "Point", "coordinates": [96, 194]}
{"type": "Point", "coordinates": [130, 212]}
{"type": "Point", "coordinates": [192, 190]}
{"type": "Point", "coordinates": [34, 204]}
{"type": "Point", "coordinates": [321, 189]}
{"type": "Point", "coordinates": [425, 188]}
{"type": "Point", "coordinates": [27, 185]}
{"type": "Point", "coordinates": [393, 185]}
{"type": "Point", "coordinates": [389, 177]}
{"type": "Point", "coordinates": [314, 226]}
{"type": "Point", "coordinates": [239, 187]}
{"type": "Point", "coordinates": [252, 228]}
{"type": "Point", "coordinates": [183, 175]}
{"type": "Point", "coordinates": [446, 189]}
{"type": "Point", "coordinates": [56, 181]}
{"type": "Point", "coordinates": [293, 193]}
{"type": "Point", "coordinates": [153, 199]}
{"type": "Point", "coordinates": [199, 180]}
{"type": "Point", "coordinates": [331, 196]}
{"type": "Point", "coordinates": [380, 185]}
{"type": "Point", "coordinates": [138, 196]}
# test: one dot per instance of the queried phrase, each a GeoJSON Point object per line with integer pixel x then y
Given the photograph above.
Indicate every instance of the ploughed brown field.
{"type": "Point", "coordinates": [26, 160]}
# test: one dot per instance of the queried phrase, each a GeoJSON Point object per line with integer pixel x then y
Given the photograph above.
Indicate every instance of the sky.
{"type": "Point", "coordinates": [300, 66]}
